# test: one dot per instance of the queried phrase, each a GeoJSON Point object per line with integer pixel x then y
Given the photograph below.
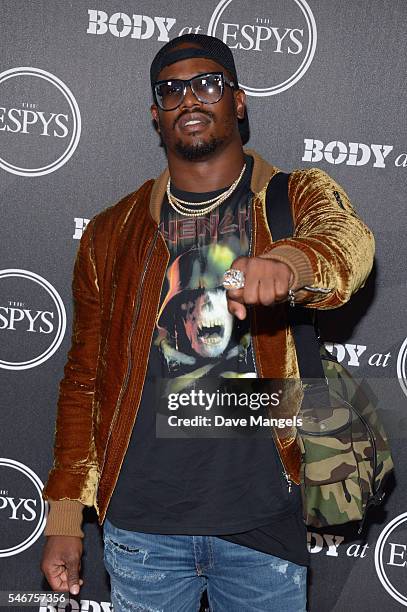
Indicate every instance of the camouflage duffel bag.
{"type": "Point", "coordinates": [346, 457]}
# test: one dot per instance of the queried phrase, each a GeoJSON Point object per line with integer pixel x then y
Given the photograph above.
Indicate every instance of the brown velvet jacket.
{"type": "Point", "coordinates": [118, 276]}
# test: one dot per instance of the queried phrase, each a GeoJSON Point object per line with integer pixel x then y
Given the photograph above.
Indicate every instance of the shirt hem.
{"type": "Point", "coordinates": [207, 530]}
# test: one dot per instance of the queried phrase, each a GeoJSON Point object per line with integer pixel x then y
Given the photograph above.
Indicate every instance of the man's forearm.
{"type": "Point", "coordinates": [331, 247]}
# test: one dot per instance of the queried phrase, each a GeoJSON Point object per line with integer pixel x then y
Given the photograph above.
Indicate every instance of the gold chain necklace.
{"type": "Point", "coordinates": [177, 204]}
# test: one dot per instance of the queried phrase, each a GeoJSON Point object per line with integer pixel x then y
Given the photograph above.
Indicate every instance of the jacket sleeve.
{"type": "Point", "coordinates": [64, 518]}
{"type": "Point", "coordinates": [331, 247]}
{"type": "Point", "coordinates": [73, 479]}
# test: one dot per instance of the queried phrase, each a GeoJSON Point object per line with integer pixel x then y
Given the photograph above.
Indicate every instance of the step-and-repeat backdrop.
{"type": "Point", "coordinates": [326, 87]}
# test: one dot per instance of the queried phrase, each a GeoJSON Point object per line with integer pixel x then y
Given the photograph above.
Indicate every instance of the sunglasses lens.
{"type": "Point", "coordinates": [208, 88]}
{"type": "Point", "coordinates": [169, 94]}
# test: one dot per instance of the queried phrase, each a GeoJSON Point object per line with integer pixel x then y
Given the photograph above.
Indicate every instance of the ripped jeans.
{"type": "Point", "coordinates": [168, 573]}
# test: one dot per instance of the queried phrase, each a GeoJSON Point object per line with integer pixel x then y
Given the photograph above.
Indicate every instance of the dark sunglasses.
{"type": "Point", "coordinates": [208, 88]}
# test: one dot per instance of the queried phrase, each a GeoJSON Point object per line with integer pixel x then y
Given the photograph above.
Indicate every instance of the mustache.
{"type": "Point", "coordinates": [203, 112]}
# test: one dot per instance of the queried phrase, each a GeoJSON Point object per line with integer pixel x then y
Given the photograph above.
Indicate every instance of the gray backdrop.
{"type": "Point", "coordinates": [326, 83]}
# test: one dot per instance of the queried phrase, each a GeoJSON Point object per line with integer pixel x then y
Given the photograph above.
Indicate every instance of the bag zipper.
{"type": "Point", "coordinates": [373, 441]}
{"type": "Point", "coordinates": [373, 499]}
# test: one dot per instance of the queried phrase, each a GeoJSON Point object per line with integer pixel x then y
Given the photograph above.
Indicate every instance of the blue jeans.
{"type": "Point", "coordinates": [168, 573]}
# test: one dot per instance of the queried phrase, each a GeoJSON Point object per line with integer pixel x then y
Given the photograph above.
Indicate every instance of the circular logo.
{"type": "Point", "coordinates": [39, 120]}
{"type": "Point", "coordinates": [32, 319]}
{"type": "Point", "coordinates": [390, 558]}
{"type": "Point", "coordinates": [23, 511]}
{"type": "Point", "coordinates": [274, 42]}
{"type": "Point", "coordinates": [402, 366]}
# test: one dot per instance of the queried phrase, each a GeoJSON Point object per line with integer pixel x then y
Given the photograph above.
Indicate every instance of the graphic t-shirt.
{"type": "Point", "coordinates": [230, 487]}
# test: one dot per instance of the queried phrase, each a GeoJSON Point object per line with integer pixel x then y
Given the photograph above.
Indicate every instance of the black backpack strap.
{"type": "Point", "coordinates": [281, 225]}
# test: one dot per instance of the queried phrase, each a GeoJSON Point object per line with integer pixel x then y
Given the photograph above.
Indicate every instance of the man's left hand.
{"type": "Point", "coordinates": [267, 281]}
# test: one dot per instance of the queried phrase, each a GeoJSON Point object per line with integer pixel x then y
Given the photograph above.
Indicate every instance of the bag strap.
{"type": "Point", "coordinates": [281, 225]}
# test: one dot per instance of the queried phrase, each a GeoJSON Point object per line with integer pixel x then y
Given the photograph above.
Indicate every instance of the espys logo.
{"type": "Point", "coordinates": [402, 366]}
{"type": "Point", "coordinates": [391, 559]}
{"type": "Point", "coordinates": [39, 120]}
{"type": "Point", "coordinates": [32, 319]}
{"type": "Point", "coordinates": [23, 512]}
{"type": "Point", "coordinates": [281, 36]}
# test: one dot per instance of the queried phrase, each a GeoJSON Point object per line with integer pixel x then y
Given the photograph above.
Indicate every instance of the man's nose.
{"type": "Point", "coordinates": [190, 98]}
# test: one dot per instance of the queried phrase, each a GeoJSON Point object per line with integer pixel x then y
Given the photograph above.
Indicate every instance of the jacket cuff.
{"type": "Point", "coordinates": [297, 261]}
{"type": "Point", "coordinates": [64, 518]}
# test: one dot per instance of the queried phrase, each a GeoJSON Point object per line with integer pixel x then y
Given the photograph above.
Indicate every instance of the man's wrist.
{"type": "Point", "coordinates": [297, 261]}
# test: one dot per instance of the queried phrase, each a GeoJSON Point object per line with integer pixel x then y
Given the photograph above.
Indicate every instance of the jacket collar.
{"type": "Point", "coordinates": [262, 172]}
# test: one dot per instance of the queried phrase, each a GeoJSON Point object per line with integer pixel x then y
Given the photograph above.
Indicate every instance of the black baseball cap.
{"type": "Point", "coordinates": [202, 46]}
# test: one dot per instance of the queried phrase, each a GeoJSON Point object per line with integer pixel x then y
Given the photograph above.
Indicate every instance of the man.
{"type": "Point", "coordinates": [181, 515]}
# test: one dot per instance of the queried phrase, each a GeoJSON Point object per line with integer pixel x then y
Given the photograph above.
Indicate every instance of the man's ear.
{"type": "Point", "coordinates": [240, 103]}
{"type": "Point", "coordinates": [155, 116]}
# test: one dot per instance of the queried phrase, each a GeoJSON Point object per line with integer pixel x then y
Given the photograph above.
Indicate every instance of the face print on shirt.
{"type": "Point", "coordinates": [194, 318]}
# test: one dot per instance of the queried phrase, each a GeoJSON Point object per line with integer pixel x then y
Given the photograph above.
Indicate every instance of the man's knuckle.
{"type": "Point", "coordinates": [238, 261]}
{"type": "Point", "coordinates": [250, 298]}
{"type": "Point", "coordinates": [252, 264]}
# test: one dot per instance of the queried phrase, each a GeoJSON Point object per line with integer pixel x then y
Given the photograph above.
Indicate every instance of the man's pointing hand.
{"type": "Point", "coordinates": [267, 281]}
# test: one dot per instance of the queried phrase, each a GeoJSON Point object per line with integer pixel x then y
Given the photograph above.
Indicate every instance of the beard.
{"type": "Point", "coordinates": [198, 150]}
